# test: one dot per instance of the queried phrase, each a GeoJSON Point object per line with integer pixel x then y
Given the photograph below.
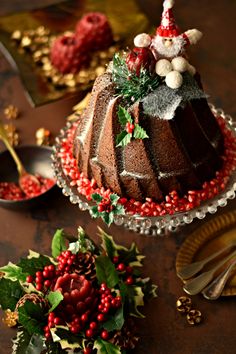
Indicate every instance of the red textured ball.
{"type": "Point", "coordinates": [69, 54]}
{"type": "Point", "coordinates": [95, 27]}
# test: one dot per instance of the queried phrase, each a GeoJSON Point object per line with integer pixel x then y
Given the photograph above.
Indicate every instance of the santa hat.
{"type": "Point", "coordinates": [168, 28]}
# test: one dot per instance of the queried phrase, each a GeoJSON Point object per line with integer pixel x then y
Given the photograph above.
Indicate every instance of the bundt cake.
{"type": "Point", "coordinates": [170, 138]}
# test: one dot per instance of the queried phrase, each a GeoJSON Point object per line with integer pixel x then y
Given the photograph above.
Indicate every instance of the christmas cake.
{"type": "Point", "coordinates": [148, 129]}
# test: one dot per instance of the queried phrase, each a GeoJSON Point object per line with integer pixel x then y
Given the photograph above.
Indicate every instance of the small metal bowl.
{"type": "Point", "coordinates": [36, 160]}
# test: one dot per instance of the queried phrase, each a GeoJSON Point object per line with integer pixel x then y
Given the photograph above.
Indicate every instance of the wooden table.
{"type": "Point", "coordinates": [163, 331]}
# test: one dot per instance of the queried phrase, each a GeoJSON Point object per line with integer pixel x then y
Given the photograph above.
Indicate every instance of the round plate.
{"type": "Point", "coordinates": [208, 239]}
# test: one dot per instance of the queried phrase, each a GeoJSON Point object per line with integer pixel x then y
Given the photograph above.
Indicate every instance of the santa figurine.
{"type": "Point", "coordinates": [168, 46]}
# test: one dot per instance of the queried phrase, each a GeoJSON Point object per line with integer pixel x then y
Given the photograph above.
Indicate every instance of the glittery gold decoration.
{"type": "Point", "coordinates": [37, 43]}
{"type": "Point", "coordinates": [11, 112]}
{"type": "Point", "coordinates": [43, 136]}
{"type": "Point", "coordinates": [194, 317]}
{"type": "Point", "coordinates": [184, 304]}
{"type": "Point", "coordinates": [12, 134]}
{"type": "Point", "coordinates": [10, 318]}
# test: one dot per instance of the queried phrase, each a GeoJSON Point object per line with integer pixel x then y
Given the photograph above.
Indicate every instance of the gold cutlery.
{"type": "Point", "coordinates": [190, 270]}
{"type": "Point", "coordinates": [215, 288]}
{"type": "Point", "coordinates": [196, 285]}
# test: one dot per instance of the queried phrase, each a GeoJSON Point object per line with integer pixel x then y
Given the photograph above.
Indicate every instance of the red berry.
{"type": "Point", "coordinates": [115, 259]}
{"type": "Point", "coordinates": [121, 267]}
{"type": "Point", "coordinates": [89, 333]}
{"type": "Point", "coordinates": [39, 287]}
{"type": "Point", "coordinates": [57, 321]}
{"type": "Point", "coordinates": [29, 279]}
{"type": "Point", "coordinates": [129, 280]}
{"type": "Point", "coordinates": [47, 335]}
{"type": "Point", "coordinates": [39, 274]}
{"type": "Point", "coordinates": [105, 310]}
{"type": "Point", "coordinates": [84, 317]}
{"type": "Point", "coordinates": [47, 283]}
{"type": "Point", "coordinates": [74, 329]}
{"type": "Point", "coordinates": [93, 325]}
{"type": "Point", "coordinates": [87, 351]}
{"type": "Point", "coordinates": [51, 268]}
{"type": "Point", "coordinates": [101, 317]}
{"type": "Point", "coordinates": [129, 270]}
{"type": "Point", "coordinates": [105, 335]}
{"type": "Point", "coordinates": [51, 316]}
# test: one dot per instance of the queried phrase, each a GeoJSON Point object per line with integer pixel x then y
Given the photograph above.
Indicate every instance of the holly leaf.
{"type": "Point", "coordinates": [54, 298]}
{"type": "Point", "coordinates": [58, 243]}
{"type": "Point", "coordinates": [97, 197]}
{"type": "Point", "coordinates": [94, 212]}
{"type": "Point", "coordinates": [124, 116]}
{"type": "Point", "coordinates": [139, 132]}
{"type": "Point", "coordinates": [10, 293]}
{"type": "Point", "coordinates": [104, 347]}
{"type": "Point", "coordinates": [123, 139]}
{"type": "Point", "coordinates": [114, 199]}
{"type": "Point", "coordinates": [131, 256]}
{"type": "Point", "coordinates": [108, 243]}
{"type": "Point", "coordinates": [116, 321]}
{"type": "Point", "coordinates": [62, 335]}
{"type": "Point", "coordinates": [54, 348]}
{"type": "Point", "coordinates": [24, 343]}
{"type": "Point", "coordinates": [149, 289]}
{"type": "Point", "coordinates": [108, 218]}
{"type": "Point", "coordinates": [32, 317]}
{"type": "Point", "coordinates": [13, 272]}
{"type": "Point", "coordinates": [119, 210]}
{"type": "Point", "coordinates": [106, 272]}
{"type": "Point", "coordinates": [33, 263]}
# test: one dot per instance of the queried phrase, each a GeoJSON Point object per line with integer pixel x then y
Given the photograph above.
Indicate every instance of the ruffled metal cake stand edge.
{"type": "Point", "coordinates": [150, 226]}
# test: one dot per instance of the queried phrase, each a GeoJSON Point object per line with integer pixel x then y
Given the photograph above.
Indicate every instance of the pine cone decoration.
{"type": "Point", "coordinates": [34, 298]}
{"type": "Point", "coordinates": [85, 265]}
{"type": "Point", "coordinates": [125, 338]}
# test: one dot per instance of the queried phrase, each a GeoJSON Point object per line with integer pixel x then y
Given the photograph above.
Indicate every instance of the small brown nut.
{"type": "Point", "coordinates": [194, 317]}
{"type": "Point", "coordinates": [184, 304]}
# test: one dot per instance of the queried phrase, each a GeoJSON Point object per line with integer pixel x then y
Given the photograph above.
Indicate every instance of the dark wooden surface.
{"type": "Point", "coordinates": [163, 331]}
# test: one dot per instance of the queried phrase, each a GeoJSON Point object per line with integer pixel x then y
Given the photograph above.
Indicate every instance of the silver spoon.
{"type": "Point", "coordinates": [24, 176]}
{"type": "Point", "coordinates": [196, 285]}
{"type": "Point", "coordinates": [215, 288]}
{"type": "Point", "coordinates": [190, 270]}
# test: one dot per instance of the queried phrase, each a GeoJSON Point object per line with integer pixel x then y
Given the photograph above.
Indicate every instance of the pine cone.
{"type": "Point", "coordinates": [126, 338]}
{"type": "Point", "coordinates": [34, 298]}
{"type": "Point", "coordinates": [85, 265]}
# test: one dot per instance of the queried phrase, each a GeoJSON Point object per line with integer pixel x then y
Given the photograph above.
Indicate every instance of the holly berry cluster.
{"type": "Point", "coordinates": [70, 52]}
{"type": "Point", "coordinates": [61, 300]}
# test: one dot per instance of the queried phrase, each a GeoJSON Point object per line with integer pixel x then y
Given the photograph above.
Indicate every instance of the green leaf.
{"type": "Point", "coordinates": [119, 210]}
{"type": "Point", "coordinates": [124, 116]}
{"type": "Point", "coordinates": [62, 335]}
{"type": "Point", "coordinates": [108, 243]}
{"type": "Point", "coordinates": [35, 262]}
{"type": "Point", "coordinates": [13, 272]}
{"type": "Point", "coordinates": [106, 272]}
{"type": "Point", "coordinates": [84, 244]}
{"type": "Point", "coordinates": [54, 348]}
{"type": "Point", "coordinates": [114, 199]}
{"type": "Point", "coordinates": [32, 317]}
{"type": "Point", "coordinates": [94, 212]}
{"type": "Point", "coordinates": [108, 218]}
{"type": "Point", "coordinates": [58, 243]}
{"type": "Point", "coordinates": [104, 347]}
{"type": "Point", "coordinates": [97, 197]}
{"type": "Point", "coordinates": [131, 256]}
{"type": "Point", "coordinates": [24, 343]}
{"type": "Point", "coordinates": [54, 298]}
{"type": "Point", "coordinates": [139, 132]}
{"type": "Point", "coordinates": [10, 293]}
{"type": "Point", "coordinates": [116, 321]}
{"type": "Point", "coordinates": [123, 139]}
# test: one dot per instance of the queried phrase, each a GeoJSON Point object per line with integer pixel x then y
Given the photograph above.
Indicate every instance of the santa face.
{"type": "Point", "coordinates": [168, 47]}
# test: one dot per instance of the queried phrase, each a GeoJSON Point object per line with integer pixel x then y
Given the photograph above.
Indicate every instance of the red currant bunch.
{"type": "Point", "coordinates": [65, 261]}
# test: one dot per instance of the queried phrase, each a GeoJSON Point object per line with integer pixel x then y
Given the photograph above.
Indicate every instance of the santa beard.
{"type": "Point", "coordinates": [174, 50]}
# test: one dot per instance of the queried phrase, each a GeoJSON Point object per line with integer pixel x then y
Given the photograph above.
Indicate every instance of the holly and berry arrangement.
{"type": "Point", "coordinates": [81, 299]}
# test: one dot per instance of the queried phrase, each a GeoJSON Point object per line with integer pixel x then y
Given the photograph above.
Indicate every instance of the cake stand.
{"type": "Point", "coordinates": [155, 225]}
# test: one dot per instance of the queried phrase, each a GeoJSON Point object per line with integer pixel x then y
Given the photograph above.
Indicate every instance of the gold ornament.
{"type": "Point", "coordinates": [184, 304]}
{"type": "Point", "coordinates": [11, 112]}
{"type": "Point", "coordinates": [16, 35]}
{"type": "Point", "coordinates": [194, 317]}
{"type": "Point", "coordinates": [12, 134]}
{"type": "Point", "coordinates": [10, 318]}
{"type": "Point", "coordinates": [42, 136]}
